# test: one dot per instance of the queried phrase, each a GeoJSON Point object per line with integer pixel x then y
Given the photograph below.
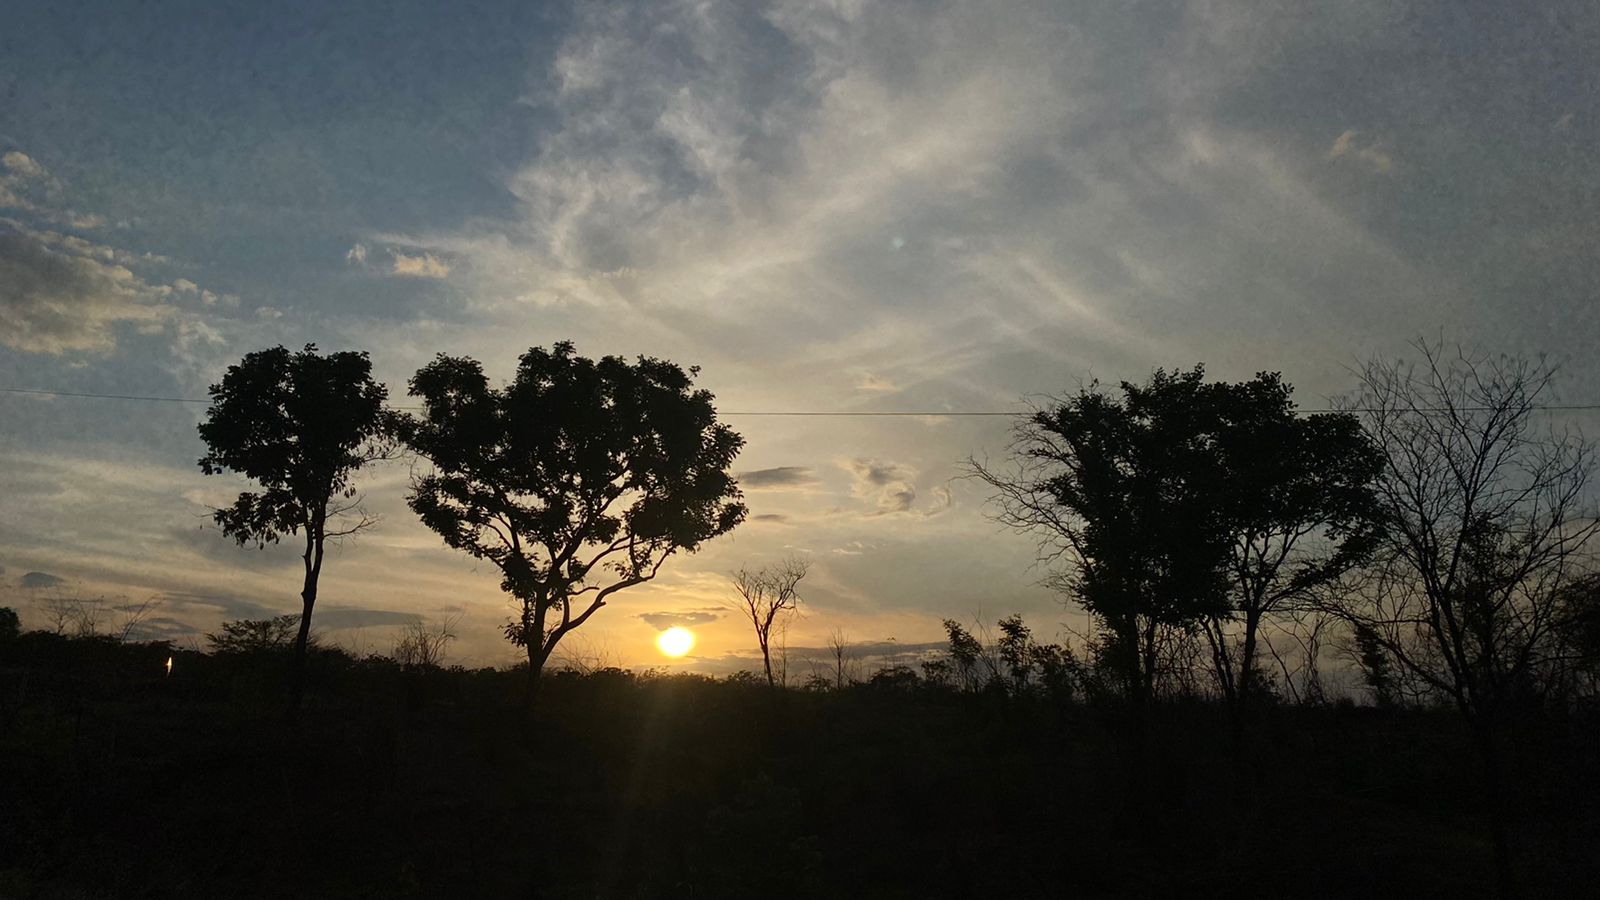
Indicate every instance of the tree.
{"type": "Point", "coordinates": [1488, 522]}
{"type": "Point", "coordinates": [421, 645]}
{"type": "Point", "coordinates": [578, 479]}
{"type": "Point", "coordinates": [1298, 511]}
{"type": "Point", "coordinates": [300, 425]}
{"type": "Point", "coordinates": [243, 636]}
{"type": "Point", "coordinates": [844, 664]}
{"type": "Point", "coordinates": [1122, 495]}
{"type": "Point", "coordinates": [767, 597]}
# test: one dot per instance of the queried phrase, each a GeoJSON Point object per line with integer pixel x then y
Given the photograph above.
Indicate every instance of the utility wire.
{"type": "Point", "coordinates": [901, 413]}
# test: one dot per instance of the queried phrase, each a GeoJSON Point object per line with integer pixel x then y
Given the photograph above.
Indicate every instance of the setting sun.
{"type": "Point", "coordinates": [675, 641]}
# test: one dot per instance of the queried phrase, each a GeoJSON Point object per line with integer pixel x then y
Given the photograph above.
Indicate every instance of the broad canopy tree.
{"type": "Point", "coordinates": [1188, 505]}
{"type": "Point", "coordinates": [1299, 509]}
{"type": "Point", "coordinates": [578, 479]}
{"type": "Point", "coordinates": [1124, 493]}
{"type": "Point", "coordinates": [299, 424]}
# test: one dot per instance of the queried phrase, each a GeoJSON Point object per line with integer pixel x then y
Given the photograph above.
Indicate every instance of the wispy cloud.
{"type": "Point", "coordinates": [424, 265]}
{"type": "Point", "coordinates": [661, 621]}
{"type": "Point", "coordinates": [54, 300]}
{"type": "Point", "coordinates": [777, 478]}
{"type": "Point", "coordinates": [888, 485]}
{"type": "Point", "coordinates": [1372, 152]}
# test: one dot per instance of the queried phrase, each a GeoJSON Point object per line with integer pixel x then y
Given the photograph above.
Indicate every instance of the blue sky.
{"type": "Point", "coordinates": [827, 206]}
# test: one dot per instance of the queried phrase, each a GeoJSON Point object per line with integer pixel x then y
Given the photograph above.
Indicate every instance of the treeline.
{"type": "Point", "coordinates": [1437, 531]}
{"type": "Point", "coordinates": [999, 768]}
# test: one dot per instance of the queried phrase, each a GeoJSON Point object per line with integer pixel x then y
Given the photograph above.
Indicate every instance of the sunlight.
{"type": "Point", "coordinates": [675, 641]}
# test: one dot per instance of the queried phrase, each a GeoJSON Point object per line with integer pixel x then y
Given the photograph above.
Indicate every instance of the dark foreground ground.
{"type": "Point", "coordinates": [118, 782]}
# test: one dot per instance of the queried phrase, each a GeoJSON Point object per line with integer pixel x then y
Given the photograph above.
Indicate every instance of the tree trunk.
{"type": "Point", "coordinates": [308, 598]}
{"type": "Point", "coordinates": [1244, 692]}
{"type": "Point", "coordinates": [535, 669]}
{"type": "Point", "coordinates": [538, 653]}
{"type": "Point", "coordinates": [766, 660]}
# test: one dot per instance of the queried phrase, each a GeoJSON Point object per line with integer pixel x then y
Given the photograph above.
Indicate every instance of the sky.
{"type": "Point", "coordinates": [831, 206]}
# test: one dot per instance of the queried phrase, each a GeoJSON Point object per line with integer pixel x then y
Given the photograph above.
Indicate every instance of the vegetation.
{"type": "Point", "coordinates": [416, 782]}
{"type": "Point", "coordinates": [768, 596]}
{"type": "Point", "coordinates": [300, 425]}
{"type": "Point", "coordinates": [1433, 534]}
{"type": "Point", "coordinates": [577, 480]}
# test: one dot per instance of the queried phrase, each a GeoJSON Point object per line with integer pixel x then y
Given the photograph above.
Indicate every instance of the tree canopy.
{"type": "Point", "coordinates": [577, 479]}
{"type": "Point", "coordinates": [300, 425]}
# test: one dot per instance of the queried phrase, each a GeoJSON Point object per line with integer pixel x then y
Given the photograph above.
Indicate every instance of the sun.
{"type": "Point", "coordinates": [675, 641]}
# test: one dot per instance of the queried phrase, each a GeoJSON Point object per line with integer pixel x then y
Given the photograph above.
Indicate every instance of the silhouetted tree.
{"type": "Point", "coordinates": [576, 470]}
{"type": "Point", "coordinates": [1488, 522]}
{"type": "Point", "coordinates": [767, 596]}
{"type": "Point", "coordinates": [72, 615]}
{"type": "Point", "coordinates": [1376, 671]}
{"type": "Point", "coordinates": [1124, 492]}
{"type": "Point", "coordinates": [1578, 672]}
{"type": "Point", "coordinates": [421, 645]}
{"type": "Point", "coordinates": [10, 624]}
{"type": "Point", "coordinates": [969, 661]}
{"type": "Point", "coordinates": [270, 635]}
{"type": "Point", "coordinates": [299, 424]}
{"type": "Point", "coordinates": [844, 665]}
{"type": "Point", "coordinates": [1297, 510]}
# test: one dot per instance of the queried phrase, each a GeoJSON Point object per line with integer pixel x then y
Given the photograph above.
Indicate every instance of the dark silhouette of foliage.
{"type": "Point", "coordinates": [10, 624]}
{"type": "Point", "coordinates": [767, 596]}
{"type": "Point", "coordinates": [1297, 509]}
{"type": "Point", "coordinates": [1125, 492]}
{"type": "Point", "coordinates": [393, 768]}
{"type": "Point", "coordinates": [1376, 670]}
{"type": "Point", "coordinates": [421, 645]}
{"type": "Point", "coordinates": [299, 424]}
{"type": "Point", "coordinates": [276, 634]}
{"type": "Point", "coordinates": [1189, 506]}
{"type": "Point", "coordinates": [1488, 522]}
{"type": "Point", "coordinates": [578, 479]}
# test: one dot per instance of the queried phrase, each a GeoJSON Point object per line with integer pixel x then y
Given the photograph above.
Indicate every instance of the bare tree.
{"type": "Point", "coordinates": [72, 615]}
{"type": "Point", "coordinates": [1307, 630]}
{"type": "Point", "coordinates": [769, 595]}
{"type": "Point", "coordinates": [586, 655]}
{"type": "Point", "coordinates": [844, 662]}
{"type": "Point", "coordinates": [1488, 517]}
{"type": "Point", "coordinates": [421, 644]}
{"type": "Point", "coordinates": [133, 616]}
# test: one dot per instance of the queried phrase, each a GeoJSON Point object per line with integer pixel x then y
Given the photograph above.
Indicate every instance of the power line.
{"type": "Point", "coordinates": [101, 396]}
{"type": "Point", "coordinates": [896, 413]}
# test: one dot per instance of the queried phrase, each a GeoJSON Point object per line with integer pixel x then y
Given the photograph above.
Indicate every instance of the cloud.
{"type": "Point", "coordinates": [163, 628]}
{"type": "Point", "coordinates": [38, 580]}
{"type": "Point", "coordinates": [1373, 153]}
{"type": "Point", "coordinates": [887, 484]}
{"type": "Point", "coordinates": [58, 297]}
{"type": "Point", "coordinates": [25, 184]}
{"type": "Point", "coordinates": [22, 166]}
{"type": "Point", "coordinates": [661, 621]}
{"type": "Point", "coordinates": [336, 618]}
{"type": "Point", "coordinates": [357, 254]}
{"type": "Point", "coordinates": [778, 478]}
{"type": "Point", "coordinates": [424, 266]}
{"type": "Point", "coordinates": [769, 517]}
